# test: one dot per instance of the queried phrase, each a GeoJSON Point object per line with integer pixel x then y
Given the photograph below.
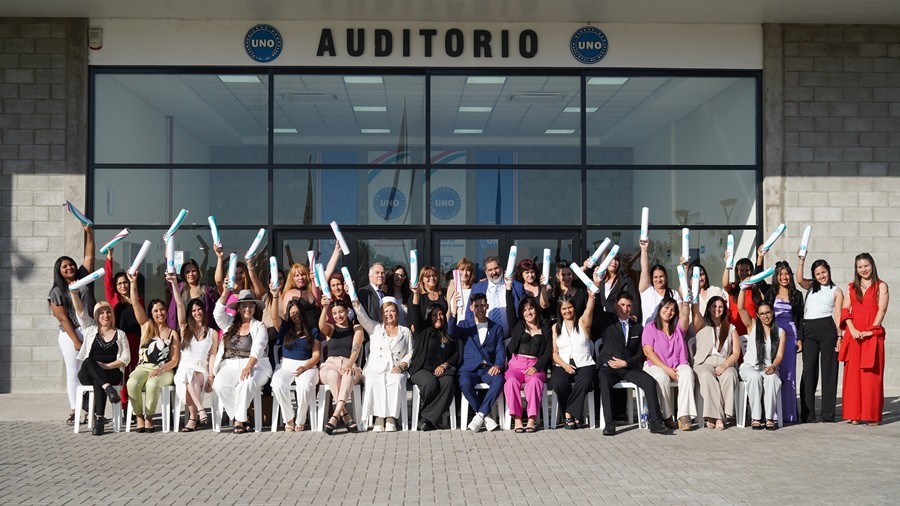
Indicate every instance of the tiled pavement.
{"type": "Point", "coordinates": [44, 462]}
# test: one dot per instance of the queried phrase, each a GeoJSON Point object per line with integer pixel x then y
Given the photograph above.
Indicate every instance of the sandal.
{"type": "Point", "coordinates": [290, 427]}
{"type": "Point", "coordinates": [756, 425]}
{"type": "Point", "coordinates": [239, 429]}
{"type": "Point", "coordinates": [349, 423]}
{"type": "Point", "coordinates": [530, 430]}
{"type": "Point", "coordinates": [71, 419]}
{"type": "Point", "coordinates": [770, 425]}
{"type": "Point", "coordinates": [519, 430]}
{"type": "Point", "coordinates": [203, 420]}
{"type": "Point", "coordinates": [710, 424]}
{"type": "Point", "coordinates": [571, 424]}
{"type": "Point", "coordinates": [300, 427]}
{"type": "Point", "coordinates": [329, 426]}
{"type": "Point", "coordinates": [187, 427]}
{"type": "Point", "coordinates": [720, 425]}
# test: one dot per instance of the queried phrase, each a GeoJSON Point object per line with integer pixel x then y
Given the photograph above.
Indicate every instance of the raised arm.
{"type": "Point", "coordinates": [220, 268]}
{"type": "Point", "coordinates": [333, 261]}
{"type": "Point", "coordinates": [698, 320]}
{"type": "Point", "coordinates": [726, 273]}
{"type": "Point", "coordinates": [109, 287]}
{"type": "Point", "coordinates": [275, 307]}
{"type": "Point", "coordinates": [588, 316]}
{"type": "Point", "coordinates": [259, 289]}
{"type": "Point", "coordinates": [172, 279]}
{"type": "Point", "coordinates": [798, 274]}
{"type": "Point", "coordinates": [684, 316]}
{"type": "Point", "coordinates": [363, 318]}
{"type": "Point", "coordinates": [89, 247]}
{"type": "Point", "coordinates": [139, 313]}
{"type": "Point", "coordinates": [324, 327]}
{"type": "Point", "coordinates": [84, 319]}
{"type": "Point", "coordinates": [645, 281]}
{"type": "Point", "coordinates": [512, 314]}
{"type": "Point", "coordinates": [742, 309]}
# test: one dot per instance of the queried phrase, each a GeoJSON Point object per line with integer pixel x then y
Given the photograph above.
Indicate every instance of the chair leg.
{"type": "Point", "coordinates": [415, 409]}
{"type": "Point", "coordinates": [453, 414]}
{"type": "Point", "coordinates": [257, 412]}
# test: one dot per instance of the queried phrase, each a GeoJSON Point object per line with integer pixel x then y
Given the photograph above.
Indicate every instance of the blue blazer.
{"type": "Point", "coordinates": [518, 290]}
{"type": "Point", "coordinates": [474, 354]}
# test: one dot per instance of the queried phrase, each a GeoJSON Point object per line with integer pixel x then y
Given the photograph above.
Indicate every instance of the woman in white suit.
{"type": "Point", "coordinates": [390, 349]}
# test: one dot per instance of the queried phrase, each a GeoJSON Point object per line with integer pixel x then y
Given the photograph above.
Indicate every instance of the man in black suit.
{"type": "Point", "coordinates": [622, 358]}
{"type": "Point", "coordinates": [370, 295]}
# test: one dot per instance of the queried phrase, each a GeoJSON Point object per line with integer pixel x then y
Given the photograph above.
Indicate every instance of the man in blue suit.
{"type": "Point", "coordinates": [483, 358]}
{"type": "Point", "coordinates": [495, 291]}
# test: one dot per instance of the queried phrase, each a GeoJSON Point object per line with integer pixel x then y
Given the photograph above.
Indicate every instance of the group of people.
{"type": "Point", "coordinates": [501, 335]}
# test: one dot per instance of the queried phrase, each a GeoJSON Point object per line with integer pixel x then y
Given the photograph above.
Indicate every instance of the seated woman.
{"type": "Point", "coordinates": [390, 350]}
{"type": "Point", "coordinates": [300, 352]}
{"type": "Point", "coordinates": [667, 360]}
{"type": "Point", "coordinates": [199, 347]}
{"type": "Point", "coordinates": [528, 352]}
{"type": "Point", "coordinates": [573, 376]}
{"type": "Point", "coordinates": [717, 353]}
{"type": "Point", "coordinates": [104, 355]}
{"type": "Point", "coordinates": [760, 368]}
{"type": "Point", "coordinates": [433, 364]}
{"type": "Point", "coordinates": [159, 355]}
{"type": "Point", "coordinates": [339, 370]}
{"type": "Point", "coordinates": [242, 365]}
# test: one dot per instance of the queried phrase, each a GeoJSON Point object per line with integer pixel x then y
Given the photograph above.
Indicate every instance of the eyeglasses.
{"type": "Point", "coordinates": [247, 306]}
{"type": "Point", "coordinates": [764, 313]}
{"type": "Point", "coordinates": [430, 276]}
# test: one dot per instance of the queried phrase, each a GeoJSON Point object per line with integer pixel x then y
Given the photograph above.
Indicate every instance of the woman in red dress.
{"type": "Point", "coordinates": [862, 347]}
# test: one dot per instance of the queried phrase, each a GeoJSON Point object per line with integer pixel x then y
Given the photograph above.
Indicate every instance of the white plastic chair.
{"type": "Point", "coordinates": [589, 416]}
{"type": "Point", "coordinates": [116, 409]}
{"type": "Point", "coordinates": [367, 409]}
{"type": "Point", "coordinates": [635, 399]}
{"type": "Point", "coordinates": [166, 395]}
{"type": "Point", "coordinates": [545, 411]}
{"type": "Point", "coordinates": [322, 407]}
{"type": "Point", "coordinates": [313, 411]}
{"type": "Point", "coordinates": [180, 404]}
{"type": "Point", "coordinates": [218, 409]}
{"type": "Point", "coordinates": [414, 423]}
{"type": "Point", "coordinates": [742, 399]}
{"type": "Point", "coordinates": [499, 406]}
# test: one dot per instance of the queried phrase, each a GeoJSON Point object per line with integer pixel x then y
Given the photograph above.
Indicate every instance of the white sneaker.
{"type": "Point", "coordinates": [490, 424]}
{"type": "Point", "coordinates": [379, 424]}
{"type": "Point", "coordinates": [476, 423]}
{"type": "Point", "coordinates": [390, 425]}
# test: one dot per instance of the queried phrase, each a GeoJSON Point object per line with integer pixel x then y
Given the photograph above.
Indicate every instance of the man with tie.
{"type": "Point", "coordinates": [370, 295]}
{"type": "Point", "coordinates": [621, 358]}
{"type": "Point", "coordinates": [483, 358]}
{"type": "Point", "coordinates": [495, 290]}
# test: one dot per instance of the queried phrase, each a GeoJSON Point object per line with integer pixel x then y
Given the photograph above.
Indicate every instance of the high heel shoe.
{"type": "Point", "coordinates": [349, 423]}
{"type": "Point", "coordinates": [330, 425]}
{"type": "Point", "coordinates": [187, 427]}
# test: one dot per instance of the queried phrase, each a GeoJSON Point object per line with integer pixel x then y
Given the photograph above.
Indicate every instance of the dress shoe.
{"type": "Point", "coordinates": [684, 423]}
{"type": "Point", "coordinates": [425, 426]}
{"type": "Point", "coordinates": [112, 394]}
{"type": "Point", "coordinates": [658, 427]}
{"type": "Point", "coordinates": [609, 430]}
{"type": "Point", "coordinates": [98, 426]}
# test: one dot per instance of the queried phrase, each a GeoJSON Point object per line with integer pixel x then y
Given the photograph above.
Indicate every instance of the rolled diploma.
{"type": "Point", "coordinates": [170, 255]}
{"type": "Point", "coordinates": [458, 283]}
{"type": "Point", "coordinates": [90, 278]}
{"type": "Point", "coordinates": [320, 274]}
{"type": "Point", "coordinates": [214, 228]}
{"type": "Point", "coordinates": [609, 258]}
{"type": "Point", "coordinates": [729, 247]}
{"type": "Point", "coordinates": [413, 268]}
{"type": "Point", "coordinates": [257, 243]}
{"type": "Point", "coordinates": [511, 261]}
{"type": "Point", "coordinates": [177, 223]}
{"type": "Point", "coordinates": [78, 214]}
{"type": "Point", "coordinates": [232, 271]}
{"type": "Point", "coordinates": [273, 271]}
{"type": "Point", "coordinates": [682, 282]}
{"type": "Point", "coordinates": [599, 252]}
{"type": "Point", "coordinates": [756, 278]}
{"type": "Point", "coordinates": [545, 269]}
{"type": "Point", "coordinates": [804, 242]}
{"type": "Point", "coordinates": [686, 243]}
{"type": "Point", "coordinates": [583, 277]}
{"type": "Point", "coordinates": [311, 257]}
{"type": "Point", "coordinates": [115, 240]}
{"type": "Point", "coordinates": [645, 223]}
{"type": "Point", "coordinates": [347, 279]}
{"type": "Point", "coordinates": [774, 237]}
{"type": "Point", "coordinates": [142, 253]}
{"type": "Point", "coordinates": [340, 237]}
{"type": "Point", "coordinates": [695, 284]}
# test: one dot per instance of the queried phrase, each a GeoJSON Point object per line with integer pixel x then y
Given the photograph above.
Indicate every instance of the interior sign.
{"type": "Point", "coordinates": [263, 43]}
{"type": "Point", "coordinates": [426, 42]}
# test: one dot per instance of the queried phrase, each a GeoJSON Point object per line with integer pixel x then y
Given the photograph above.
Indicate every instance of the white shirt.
{"type": "Point", "coordinates": [496, 295]}
{"type": "Point", "coordinates": [482, 332]}
{"type": "Point", "coordinates": [574, 347]}
{"type": "Point", "coordinates": [650, 300]}
{"type": "Point", "coordinates": [819, 304]}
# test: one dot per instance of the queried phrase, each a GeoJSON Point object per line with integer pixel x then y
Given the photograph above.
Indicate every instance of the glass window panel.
{"type": "Point", "coordinates": [373, 119]}
{"type": "Point", "coordinates": [675, 197]}
{"type": "Point", "coordinates": [452, 250]}
{"type": "Point", "coordinates": [508, 119]}
{"type": "Point", "coordinates": [295, 251]}
{"type": "Point", "coordinates": [671, 120]}
{"type": "Point", "coordinates": [130, 197]}
{"type": "Point", "coordinates": [389, 252]}
{"type": "Point", "coordinates": [529, 196]}
{"type": "Point", "coordinates": [185, 118]}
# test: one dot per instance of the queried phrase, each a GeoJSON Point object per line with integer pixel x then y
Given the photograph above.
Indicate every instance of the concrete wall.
{"type": "Point", "coordinates": [43, 123]}
{"type": "Point", "coordinates": [832, 149]}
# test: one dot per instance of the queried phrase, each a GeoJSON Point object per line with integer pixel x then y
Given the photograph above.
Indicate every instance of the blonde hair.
{"type": "Point", "coordinates": [289, 279]}
{"type": "Point", "coordinates": [429, 270]}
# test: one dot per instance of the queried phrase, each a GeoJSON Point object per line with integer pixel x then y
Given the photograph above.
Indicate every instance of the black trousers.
{"type": "Point", "coordinates": [819, 341]}
{"type": "Point", "coordinates": [570, 389]}
{"type": "Point", "coordinates": [607, 377]}
{"type": "Point", "coordinates": [435, 394]}
{"type": "Point", "coordinates": [92, 374]}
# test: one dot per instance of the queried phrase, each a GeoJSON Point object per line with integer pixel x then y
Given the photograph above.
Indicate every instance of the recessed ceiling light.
{"type": "Point", "coordinates": [376, 130]}
{"type": "Point", "coordinates": [559, 131]}
{"type": "Point", "coordinates": [468, 130]}
{"type": "Point", "coordinates": [239, 79]}
{"type": "Point", "coordinates": [578, 109]}
{"type": "Point", "coordinates": [369, 108]}
{"type": "Point", "coordinates": [469, 108]}
{"type": "Point", "coordinates": [608, 80]}
{"type": "Point", "coordinates": [285, 130]}
{"type": "Point", "coordinates": [485, 80]}
{"type": "Point", "coordinates": [362, 79]}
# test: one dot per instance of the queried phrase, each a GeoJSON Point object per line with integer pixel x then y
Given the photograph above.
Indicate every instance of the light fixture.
{"type": "Point", "coordinates": [559, 131]}
{"type": "Point", "coordinates": [363, 80]}
{"type": "Point", "coordinates": [470, 108]}
{"type": "Point", "coordinates": [485, 80]}
{"type": "Point", "coordinates": [369, 108]}
{"type": "Point", "coordinates": [285, 130]}
{"type": "Point", "coordinates": [375, 130]}
{"type": "Point", "coordinates": [468, 130]}
{"type": "Point", "coordinates": [239, 79]}
{"type": "Point", "coordinates": [537, 97]}
{"type": "Point", "coordinates": [309, 97]}
{"type": "Point", "coordinates": [589, 110]}
{"type": "Point", "coordinates": [608, 81]}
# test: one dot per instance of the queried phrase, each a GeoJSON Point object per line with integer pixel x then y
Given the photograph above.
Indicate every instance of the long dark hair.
{"type": "Point", "coordinates": [151, 329]}
{"type": "Point", "coordinates": [188, 335]}
{"type": "Point", "coordinates": [658, 321]}
{"type": "Point", "coordinates": [703, 273]}
{"type": "Point", "coordinates": [60, 282]}
{"type": "Point", "coordinates": [405, 291]}
{"type": "Point", "coordinates": [557, 290]}
{"type": "Point", "coordinates": [563, 299]}
{"type": "Point", "coordinates": [794, 295]}
{"type": "Point", "coordinates": [239, 320]}
{"type": "Point", "coordinates": [724, 325]}
{"type": "Point", "coordinates": [815, 282]}
{"type": "Point", "coordinates": [294, 333]}
{"type": "Point", "coordinates": [524, 303]}
{"type": "Point", "coordinates": [761, 336]}
{"type": "Point", "coordinates": [857, 281]}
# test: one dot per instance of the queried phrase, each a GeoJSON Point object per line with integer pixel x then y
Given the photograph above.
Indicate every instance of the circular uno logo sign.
{"type": "Point", "coordinates": [589, 45]}
{"type": "Point", "coordinates": [445, 203]}
{"type": "Point", "coordinates": [389, 203]}
{"type": "Point", "coordinates": [263, 43]}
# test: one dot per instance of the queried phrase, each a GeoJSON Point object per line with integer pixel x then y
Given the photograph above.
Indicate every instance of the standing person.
{"type": "Point", "coordinates": [298, 286]}
{"type": "Point", "coordinates": [821, 340]}
{"type": "Point", "coordinates": [787, 302]}
{"type": "Point", "coordinates": [466, 280]}
{"type": "Point", "coordinates": [158, 357]}
{"type": "Point", "coordinates": [718, 351]}
{"type": "Point", "coordinates": [190, 285]}
{"type": "Point", "coordinates": [66, 272]}
{"type": "Point", "coordinates": [527, 274]}
{"type": "Point", "coordinates": [667, 361]}
{"type": "Point", "coordinates": [370, 295]}
{"type": "Point", "coordinates": [118, 294]}
{"type": "Point", "coordinates": [653, 286]}
{"type": "Point", "coordinates": [339, 371]}
{"type": "Point", "coordinates": [300, 352]}
{"type": "Point", "coordinates": [707, 291]}
{"type": "Point", "coordinates": [862, 348]}
{"type": "Point", "coordinates": [495, 294]}
{"type": "Point", "coordinates": [428, 292]}
{"type": "Point", "coordinates": [743, 269]}
{"type": "Point", "coordinates": [397, 285]}
{"type": "Point", "coordinates": [612, 282]}
{"type": "Point", "coordinates": [566, 289]}
{"type": "Point", "coordinates": [765, 350]}
{"type": "Point", "coordinates": [529, 355]}
{"type": "Point", "coordinates": [572, 377]}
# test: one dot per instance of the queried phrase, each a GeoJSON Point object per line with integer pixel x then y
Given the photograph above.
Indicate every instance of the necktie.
{"type": "Point", "coordinates": [625, 331]}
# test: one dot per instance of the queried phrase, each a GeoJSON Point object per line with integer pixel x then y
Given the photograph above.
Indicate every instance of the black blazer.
{"type": "Point", "coordinates": [614, 345]}
{"type": "Point", "coordinates": [368, 297]}
{"type": "Point", "coordinates": [623, 283]}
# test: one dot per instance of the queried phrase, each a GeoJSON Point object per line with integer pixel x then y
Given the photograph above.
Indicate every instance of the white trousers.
{"type": "Point", "coordinates": [236, 394]}
{"type": "Point", "coordinates": [73, 365]}
{"type": "Point", "coordinates": [383, 394]}
{"type": "Point", "coordinates": [306, 389]}
{"type": "Point", "coordinates": [762, 390]}
{"type": "Point", "coordinates": [687, 405]}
